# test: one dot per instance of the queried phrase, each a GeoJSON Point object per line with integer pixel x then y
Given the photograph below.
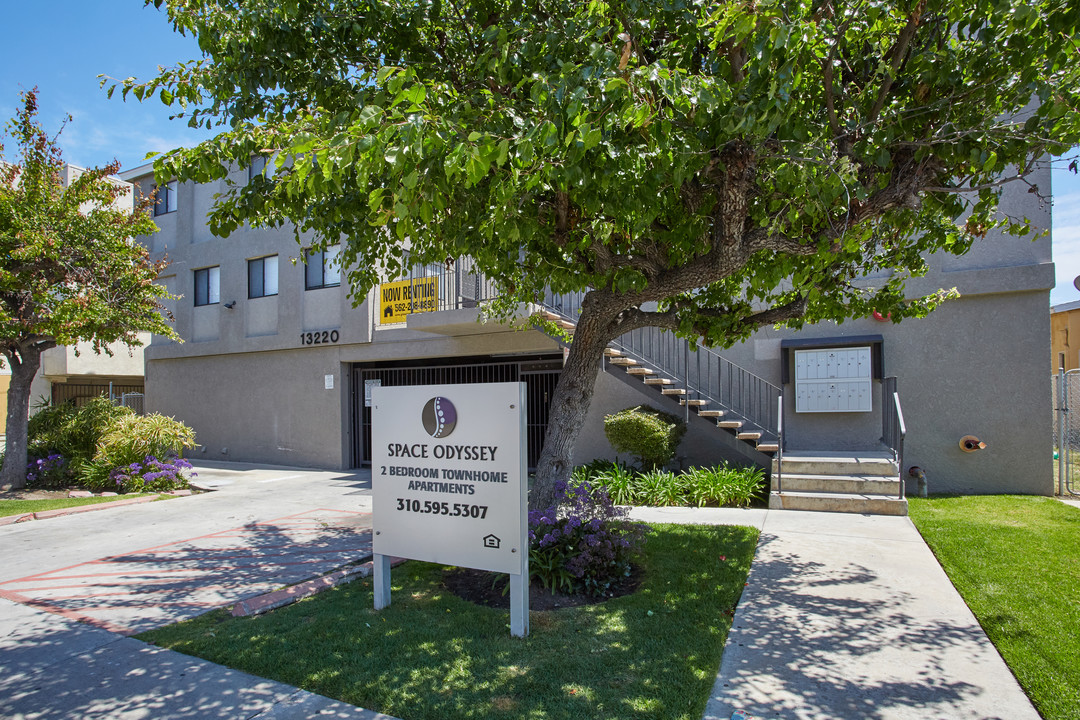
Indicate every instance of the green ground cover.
{"type": "Point", "coordinates": [21, 507]}
{"type": "Point", "coordinates": [431, 655]}
{"type": "Point", "coordinates": [1016, 562]}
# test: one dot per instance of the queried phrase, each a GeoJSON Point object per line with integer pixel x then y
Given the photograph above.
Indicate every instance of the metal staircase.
{"type": "Point", "coordinates": [700, 381]}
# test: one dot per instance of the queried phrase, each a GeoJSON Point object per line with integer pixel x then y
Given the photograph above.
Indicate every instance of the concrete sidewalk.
{"type": "Point", "coordinates": [850, 617]}
{"type": "Point", "coordinates": [51, 667]}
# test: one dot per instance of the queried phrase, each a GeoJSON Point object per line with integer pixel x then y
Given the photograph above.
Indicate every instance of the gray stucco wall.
{"type": "Point", "coordinates": [976, 365]}
{"type": "Point", "coordinates": [273, 406]}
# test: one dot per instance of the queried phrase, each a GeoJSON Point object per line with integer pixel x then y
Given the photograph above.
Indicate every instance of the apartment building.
{"type": "Point", "coordinates": [277, 362]}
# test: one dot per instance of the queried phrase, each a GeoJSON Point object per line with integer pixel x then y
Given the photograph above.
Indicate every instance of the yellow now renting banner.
{"type": "Point", "coordinates": [398, 299]}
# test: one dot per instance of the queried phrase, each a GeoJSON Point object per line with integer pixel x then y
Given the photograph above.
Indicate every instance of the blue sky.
{"type": "Point", "coordinates": [63, 45]}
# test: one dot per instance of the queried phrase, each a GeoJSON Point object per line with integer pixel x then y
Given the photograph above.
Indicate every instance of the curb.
{"type": "Point", "coordinates": [294, 593]}
{"type": "Point", "coordinates": [60, 512]}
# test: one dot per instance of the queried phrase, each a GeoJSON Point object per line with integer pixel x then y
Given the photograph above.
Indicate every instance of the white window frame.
{"type": "Point", "coordinates": [321, 269]}
{"type": "Point", "coordinates": [269, 276]}
{"type": "Point", "coordinates": [165, 202]}
{"type": "Point", "coordinates": [213, 286]}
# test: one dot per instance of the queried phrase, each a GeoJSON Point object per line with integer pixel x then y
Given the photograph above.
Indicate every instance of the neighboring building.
{"type": "Point", "coordinates": [277, 362]}
{"type": "Point", "coordinates": [1065, 336]}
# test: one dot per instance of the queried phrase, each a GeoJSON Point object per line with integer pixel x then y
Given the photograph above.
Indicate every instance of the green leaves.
{"type": "Point", "coordinates": [580, 149]}
{"type": "Point", "coordinates": [69, 270]}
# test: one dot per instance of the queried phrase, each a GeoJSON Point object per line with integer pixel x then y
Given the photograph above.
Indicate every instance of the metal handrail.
{"type": "Point", "coordinates": [705, 374]}
{"type": "Point", "coordinates": [780, 443]}
{"type": "Point", "coordinates": [893, 428]}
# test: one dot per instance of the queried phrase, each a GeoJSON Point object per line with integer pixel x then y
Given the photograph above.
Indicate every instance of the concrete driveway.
{"type": "Point", "coordinates": [135, 568]}
{"type": "Point", "coordinates": [72, 587]}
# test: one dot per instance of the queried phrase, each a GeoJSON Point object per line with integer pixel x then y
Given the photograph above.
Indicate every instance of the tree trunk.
{"type": "Point", "coordinates": [570, 403]}
{"type": "Point", "coordinates": [23, 368]}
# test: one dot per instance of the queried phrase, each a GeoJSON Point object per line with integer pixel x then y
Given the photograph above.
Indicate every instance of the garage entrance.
{"type": "Point", "coordinates": [540, 373]}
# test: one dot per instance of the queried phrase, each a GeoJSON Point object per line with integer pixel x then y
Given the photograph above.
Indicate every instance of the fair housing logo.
{"type": "Point", "coordinates": [439, 417]}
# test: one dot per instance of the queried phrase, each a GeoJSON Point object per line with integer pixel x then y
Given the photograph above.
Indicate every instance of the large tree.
{"type": "Point", "coordinates": [70, 270]}
{"type": "Point", "coordinates": [706, 167]}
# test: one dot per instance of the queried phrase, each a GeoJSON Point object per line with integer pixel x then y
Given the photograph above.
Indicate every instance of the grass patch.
{"type": "Point", "coordinates": [653, 654]}
{"type": "Point", "coordinates": [1016, 562]}
{"type": "Point", "coordinates": [21, 507]}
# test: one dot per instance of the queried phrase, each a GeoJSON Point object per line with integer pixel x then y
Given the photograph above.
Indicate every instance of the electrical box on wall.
{"type": "Point", "coordinates": [833, 380]}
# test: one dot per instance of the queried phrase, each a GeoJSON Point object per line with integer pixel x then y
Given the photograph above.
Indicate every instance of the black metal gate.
{"type": "Point", "coordinates": [78, 393]}
{"type": "Point", "coordinates": [539, 373]}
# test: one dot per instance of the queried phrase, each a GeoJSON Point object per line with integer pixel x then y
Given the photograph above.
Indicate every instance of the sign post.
{"type": "Point", "coordinates": [449, 483]}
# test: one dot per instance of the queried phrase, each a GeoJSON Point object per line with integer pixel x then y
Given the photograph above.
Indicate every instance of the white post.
{"type": "Point", "coordinates": [380, 571]}
{"type": "Point", "coordinates": [519, 584]}
{"type": "Point", "coordinates": [519, 601]}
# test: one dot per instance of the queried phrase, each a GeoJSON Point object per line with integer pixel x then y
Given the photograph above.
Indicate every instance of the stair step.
{"type": "Point", "coordinates": [711, 413]}
{"type": "Point", "coordinates": [612, 352]}
{"type": "Point", "coordinates": [730, 424]}
{"type": "Point", "coordinates": [748, 436]}
{"type": "Point", "coordinates": [839, 463]}
{"type": "Point", "coordinates": [857, 484]}
{"type": "Point", "coordinates": [673, 391]}
{"type": "Point", "coordinates": [838, 502]}
{"type": "Point", "coordinates": [548, 315]}
{"type": "Point", "coordinates": [623, 361]}
{"type": "Point", "coordinates": [566, 325]}
{"type": "Point", "coordinates": [694, 403]}
{"type": "Point", "coordinates": [658, 381]}
{"type": "Point", "coordinates": [639, 371]}
{"type": "Point", "coordinates": [768, 447]}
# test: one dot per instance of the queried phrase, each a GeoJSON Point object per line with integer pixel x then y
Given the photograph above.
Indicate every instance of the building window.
{"type": "Point", "coordinates": [166, 198]}
{"type": "Point", "coordinates": [208, 286]}
{"type": "Point", "coordinates": [322, 268]}
{"type": "Point", "coordinates": [262, 277]}
{"type": "Point", "coordinates": [257, 167]}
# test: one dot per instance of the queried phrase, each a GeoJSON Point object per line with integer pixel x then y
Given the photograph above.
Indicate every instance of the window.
{"type": "Point", "coordinates": [262, 277]}
{"type": "Point", "coordinates": [166, 198]}
{"type": "Point", "coordinates": [257, 166]}
{"type": "Point", "coordinates": [322, 268]}
{"type": "Point", "coordinates": [208, 286]}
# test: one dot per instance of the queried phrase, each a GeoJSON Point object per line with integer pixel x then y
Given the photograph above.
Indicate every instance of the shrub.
{"type": "Point", "coordinates": [618, 480]}
{"type": "Point", "coordinates": [724, 486]}
{"type": "Point", "coordinates": [151, 475]}
{"type": "Point", "coordinates": [660, 488]}
{"type": "Point", "coordinates": [72, 432]}
{"type": "Point", "coordinates": [48, 472]}
{"type": "Point", "coordinates": [583, 543]}
{"type": "Point", "coordinates": [133, 438]}
{"type": "Point", "coordinates": [650, 435]}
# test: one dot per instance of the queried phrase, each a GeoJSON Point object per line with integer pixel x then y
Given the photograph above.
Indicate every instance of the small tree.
{"type": "Point", "coordinates": [704, 167]}
{"type": "Point", "coordinates": [69, 269]}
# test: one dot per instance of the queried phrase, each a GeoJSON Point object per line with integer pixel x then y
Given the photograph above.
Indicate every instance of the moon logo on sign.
{"type": "Point", "coordinates": [439, 417]}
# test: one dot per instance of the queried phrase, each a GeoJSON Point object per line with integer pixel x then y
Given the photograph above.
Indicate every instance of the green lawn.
{"type": "Point", "coordinates": [1016, 562]}
{"type": "Point", "coordinates": [21, 507]}
{"type": "Point", "coordinates": [653, 654]}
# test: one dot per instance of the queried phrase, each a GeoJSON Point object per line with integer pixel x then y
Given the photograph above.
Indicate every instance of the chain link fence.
{"type": "Point", "coordinates": [1067, 432]}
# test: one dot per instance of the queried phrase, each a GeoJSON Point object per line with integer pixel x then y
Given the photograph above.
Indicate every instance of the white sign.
{"type": "Point", "coordinates": [448, 474]}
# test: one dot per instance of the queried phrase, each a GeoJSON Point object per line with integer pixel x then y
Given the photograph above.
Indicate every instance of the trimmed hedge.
{"type": "Point", "coordinates": [650, 435]}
